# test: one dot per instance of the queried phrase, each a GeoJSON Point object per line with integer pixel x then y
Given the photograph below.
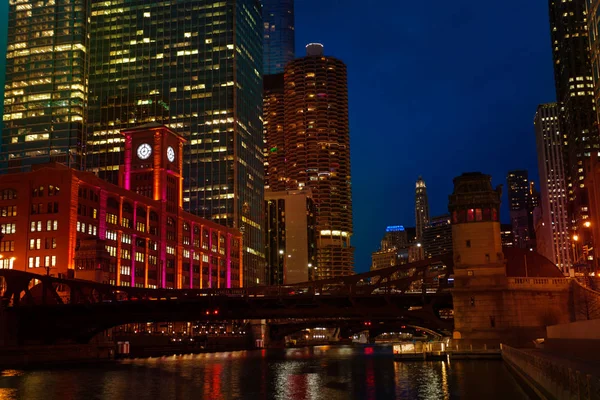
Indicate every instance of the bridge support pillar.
{"type": "Point", "coordinates": [259, 333]}
{"type": "Point", "coordinates": [8, 330]}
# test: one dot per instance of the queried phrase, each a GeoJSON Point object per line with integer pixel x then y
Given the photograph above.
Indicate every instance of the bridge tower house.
{"type": "Point", "coordinates": [479, 266]}
{"type": "Point", "coordinates": [508, 295]}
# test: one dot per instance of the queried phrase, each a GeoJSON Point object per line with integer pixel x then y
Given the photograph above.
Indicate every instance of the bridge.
{"type": "Point", "coordinates": [38, 309]}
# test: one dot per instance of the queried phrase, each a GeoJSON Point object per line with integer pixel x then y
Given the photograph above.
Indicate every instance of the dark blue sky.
{"type": "Point", "coordinates": [437, 88]}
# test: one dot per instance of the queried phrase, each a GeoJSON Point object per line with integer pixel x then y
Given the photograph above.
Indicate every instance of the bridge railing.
{"type": "Point", "coordinates": [539, 283]}
{"type": "Point", "coordinates": [553, 375]}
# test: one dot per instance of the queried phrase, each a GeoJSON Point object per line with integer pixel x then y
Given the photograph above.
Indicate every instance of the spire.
{"type": "Point", "coordinates": [421, 207]}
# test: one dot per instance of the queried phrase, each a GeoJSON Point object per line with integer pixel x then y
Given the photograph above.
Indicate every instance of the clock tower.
{"type": "Point", "coordinates": [154, 163]}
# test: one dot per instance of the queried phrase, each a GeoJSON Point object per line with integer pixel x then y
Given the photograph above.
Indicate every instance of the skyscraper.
{"type": "Point", "coordinates": [395, 238]}
{"type": "Point", "coordinates": [549, 140]}
{"type": "Point", "coordinates": [421, 207]}
{"type": "Point", "coordinates": [279, 34]}
{"type": "Point", "coordinates": [46, 84]}
{"type": "Point", "coordinates": [573, 80]}
{"type": "Point", "coordinates": [437, 236]}
{"type": "Point", "coordinates": [273, 126]}
{"type": "Point", "coordinates": [519, 207]}
{"type": "Point", "coordinates": [290, 237]}
{"type": "Point", "coordinates": [317, 152]}
{"type": "Point", "coordinates": [195, 65]}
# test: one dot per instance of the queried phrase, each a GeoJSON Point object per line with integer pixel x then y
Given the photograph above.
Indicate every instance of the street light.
{"type": "Point", "coordinates": [587, 224]}
{"type": "Point", "coordinates": [575, 237]}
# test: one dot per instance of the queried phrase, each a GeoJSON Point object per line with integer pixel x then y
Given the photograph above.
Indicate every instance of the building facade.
{"type": "Point", "coordinates": [386, 258]}
{"type": "Point", "coordinates": [437, 236]}
{"type": "Point", "coordinates": [274, 138]}
{"type": "Point", "coordinates": [421, 207]}
{"type": "Point", "coordinates": [573, 78]}
{"type": "Point", "coordinates": [290, 237]}
{"type": "Point", "coordinates": [279, 35]}
{"type": "Point", "coordinates": [62, 221]}
{"type": "Point", "coordinates": [195, 66]}
{"type": "Point", "coordinates": [395, 238]}
{"type": "Point", "coordinates": [520, 208]}
{"type": "Point", "coordinates": [506, 235]}
{"type": "Point", "coordinates": [46, 87]}
{"type": "Point", "coordinates": [393, 250]}
{"type": "Point", "coordinates": [554, 199]}
{"type": "Point", "coordinates": [317, 152]}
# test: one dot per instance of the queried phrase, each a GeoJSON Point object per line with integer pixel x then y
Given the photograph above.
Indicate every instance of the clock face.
{"type": "Point", "coordinates": [170, 154]}
{"type": "Point", "coordinates": [144, 151]}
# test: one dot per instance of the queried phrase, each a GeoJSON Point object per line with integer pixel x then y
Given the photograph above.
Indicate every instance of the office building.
{"type": "Point", "coordinates": [279, 35]}
{"type": "Point", "coordinates": [393, 250]}
{"type": "Point", "coordinates": [554, 200]}
{"type": "Point", "coordinates": [290, 237]}
{"type": "Point", "coordinates": [574, 82]}
{"type": "Point", "coordinates": [437, 236]}
{"type": "Point", "coordinates": [506, 235]}
{"type": "Point", "coordinates": [195, 66]}
{"type": "Point", "coordinates": [317, 134]}
{"type": "Point", "coordinates": [521, 212]}
{"type": "Point", "coordinates": [421, 207]}
{"type": "Point", "coordinates": [66, 222]}
{"type": "Point", "coordinates": [46, 87]}
{"type": "Point", "coordinates": [416, 253]}
{"type": "Point", "coordinates": [386, 258]}
{"type": "Point", "coordinates": [274, 138]}
{"type": "Point", "coordinates": [395, 238]}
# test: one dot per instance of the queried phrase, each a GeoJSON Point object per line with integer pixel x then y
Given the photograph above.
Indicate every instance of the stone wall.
{"type": "Point", "coordinates": [586, 302]}
{"type": "Point", "coordinates": [511, 315]}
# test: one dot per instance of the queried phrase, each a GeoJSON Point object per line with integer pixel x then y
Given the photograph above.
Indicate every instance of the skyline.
{"type": "Point", "coordinates": [513, 69]}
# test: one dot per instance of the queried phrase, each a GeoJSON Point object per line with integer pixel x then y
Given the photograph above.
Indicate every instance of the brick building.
{"type": "Point", "coordinates": [57, 220]}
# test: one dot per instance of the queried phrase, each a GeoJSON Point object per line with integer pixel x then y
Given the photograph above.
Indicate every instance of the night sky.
{"type": "Point", "coordinates": [437, 88]}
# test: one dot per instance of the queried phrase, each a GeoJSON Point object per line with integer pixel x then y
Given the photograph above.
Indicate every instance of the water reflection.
{"type": "Point", "coordinates": [320, 373]}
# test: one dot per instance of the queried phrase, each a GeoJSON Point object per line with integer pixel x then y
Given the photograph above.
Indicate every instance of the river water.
{"type": "Point", "coordinates": [316, 373]}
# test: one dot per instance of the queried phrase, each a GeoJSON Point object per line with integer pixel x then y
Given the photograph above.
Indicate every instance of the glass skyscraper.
{"type": "Point", "coordinates": [46, 84]}
{"type": "Point", "coordinates": [279, 35]}
{"type": "Point", "coordinates": [195, 66]}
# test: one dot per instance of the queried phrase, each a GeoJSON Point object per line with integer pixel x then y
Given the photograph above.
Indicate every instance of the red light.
{"type": "Point", "coordinates": [216, 312]}
{"type": "Point", "coordinates": [208, 312]}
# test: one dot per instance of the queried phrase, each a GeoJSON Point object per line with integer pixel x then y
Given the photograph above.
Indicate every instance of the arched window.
{"type": "Point", "coordinates": [196, 230]}
{"type": "Point", "coordinates": [127, 208]}
{"type": "Point", "coordinates": [9, 194]}
{"type": "Point", "coordinates": [141, 212]}
{"type": "Point", "coordinates": [153, 216]}
{"type": "Point", "coordinates": [186, 226]}
{"type": "Point", "coordinates": [38, 192]}
{"type": "Point", "coordinates": [170, 221]}
{"type": "Point", "coordinates": [112, 203]}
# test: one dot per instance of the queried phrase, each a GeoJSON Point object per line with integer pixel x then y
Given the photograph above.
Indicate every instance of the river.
{"type": "Point", "coordinates": [317, 373]}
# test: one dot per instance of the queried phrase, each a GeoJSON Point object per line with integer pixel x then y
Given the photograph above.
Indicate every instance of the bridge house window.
{"type": "Point", "coordinates": [7, 263]}
{"type": "Point", "coordinates": [474, 215]}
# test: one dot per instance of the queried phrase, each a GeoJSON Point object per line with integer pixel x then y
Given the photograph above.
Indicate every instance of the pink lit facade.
{"type": "Point", "coordinates": [63, 221]}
